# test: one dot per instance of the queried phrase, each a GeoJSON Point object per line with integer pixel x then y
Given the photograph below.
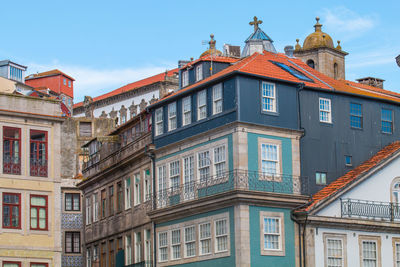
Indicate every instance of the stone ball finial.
{"type": "Point", "coordinates": [338, 45]}
{"type": "Point", "coordinates": [297, 46]}
{"type": "Point", "coordinates": [317, 19]}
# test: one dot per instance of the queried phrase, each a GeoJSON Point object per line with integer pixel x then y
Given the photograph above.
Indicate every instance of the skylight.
{"type": "Point", "coordinates": [293, 71]}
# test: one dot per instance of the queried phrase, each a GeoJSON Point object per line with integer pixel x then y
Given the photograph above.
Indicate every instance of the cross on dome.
{"type": "Point", "coordinates": [255, 22]}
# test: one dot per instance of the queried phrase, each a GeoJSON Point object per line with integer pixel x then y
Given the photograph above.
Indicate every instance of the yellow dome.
{"type": "Point", "coordinates": [212, 49]}
{"type": "Point", "coordinates": [318, 38]}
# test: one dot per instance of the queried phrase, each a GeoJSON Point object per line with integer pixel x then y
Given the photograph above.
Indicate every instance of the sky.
{"type": "Point", "coordinates": [107, 44]}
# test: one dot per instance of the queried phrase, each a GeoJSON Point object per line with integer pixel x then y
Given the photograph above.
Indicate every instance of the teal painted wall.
{"type": "Point", "coordinates": [286, 185]}
{"type": "Point", "coordinates": [258, 260]}
{"type": "Point", "coordinates": [219, 262]}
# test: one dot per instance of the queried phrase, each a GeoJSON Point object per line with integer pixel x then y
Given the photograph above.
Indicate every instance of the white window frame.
{"type": "Point", "coordinates": [189, 177]}
{"type": "Point", "coordinates": [162, 185]}
{"type": "Point", "coordinates": [89, 212]}
{"type": "Point", "coordinates": [174, 174]}
{"type": "Point", "coordinates": [374, 239]}
{"type": "Point", "coordinates": [200, 106]}
{"type": "Point", "coordinates": [217, 99]}
{"type": "Point", "coordinates": [137, 193]}
{"type": "Point", "coordinates": [146, 186]}
{"type": "Point", "coordinates": [191, 242]}
{"type": "Point", "coordinates": [128, 193]}
{"type": "Point", "coordinates": [396, 251]}
{"type": "Point", "coordinates": [376, 252]}
{"type": "Point", "coordinates": [325, 107]}
{"type": "Point", "coordinates": [185, 78]}
{"type": "Point", "coordinates": [128, 249]}
{"type": "Point", "coordinates": [158, 117]}
{"type": "Point", "coordinates": [175, 245]}
{"type": "Point", "coordinates": [328, 249]}
{"type": "Point", "coordinates": [221, 235]}
{"type": "Point", "coordinates": [138, 247]}
{"type": "Point", "coordinates": [272, 233]}
{"type": "Point", "coordinates": [219, 161]}
{"type": "Point", "coordinates": [88, 257]}
{"type": "Point", "coordinates": [204, 166]}
{"type": "Point", "coordinates": [266, 97]}
{"type": "Point", "coordinates": [147, 245]}
{"type": "Point", "coordinates": [172, 121]}
{"type": "Point", "coordinates": [266, 158]}
{"type": "Point", "coordinates": [186, 110]}
{"type": "Point", "coordinates": [281, 235]}
{"type": "Point", "coordinates": [199, 72]}
{"type": "Point", "coordinates": [162, 246]}
{"type": "Point", "coordinates": [205, 238]}
{"type": "Point", "coordinates": [96, 204]}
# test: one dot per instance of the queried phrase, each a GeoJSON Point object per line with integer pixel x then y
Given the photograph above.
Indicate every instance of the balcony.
{"type": "Point", "coordinates": [243, 180]}
{"type": "Point", "coordinates": [355, 208]}
{"type": "Point", "coordinates": [38, 167]}
{"type": "Point", "coordinates": [11, 165]}
{"type": "Point", "coordinates": [141, 264]}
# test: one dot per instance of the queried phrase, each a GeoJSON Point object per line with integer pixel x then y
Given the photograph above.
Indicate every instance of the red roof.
{"type": "Point", "coordinates": [48, 73]}
{"type": "Point", "coordinates": [129, 87]}
{"type": "Point", "coordinates": [213, 58]}
{"type": "Point", "coordinates": [345, 180]}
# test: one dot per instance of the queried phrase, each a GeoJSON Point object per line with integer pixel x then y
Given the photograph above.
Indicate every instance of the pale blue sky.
{"type": "Point", "coordinates": [106, 44]}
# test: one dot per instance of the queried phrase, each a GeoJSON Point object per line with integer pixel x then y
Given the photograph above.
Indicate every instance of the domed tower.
{"type": "Point", "coordinates": [211, 50]}
{"type": "Point", "coordinates": [319, 53]}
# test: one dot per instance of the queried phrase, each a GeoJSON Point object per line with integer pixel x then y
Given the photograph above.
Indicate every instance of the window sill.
{"type": "Point", "coordinates": [280, 253]}
{"type": "Point", "coordinates": [386, 133]}
{"type": "Point", "coordinates": [270, 113]}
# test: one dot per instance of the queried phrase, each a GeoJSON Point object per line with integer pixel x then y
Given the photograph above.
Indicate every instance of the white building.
{"type": "Point", "coordinates": [355, 221]}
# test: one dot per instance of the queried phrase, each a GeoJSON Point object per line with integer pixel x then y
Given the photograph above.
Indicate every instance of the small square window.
{"type": "Point", "coordinates": [348, 160]}
{"type": "Point", "coordinates": [320, 178]}
{"type": "Point", "coordinates": [65, 81]}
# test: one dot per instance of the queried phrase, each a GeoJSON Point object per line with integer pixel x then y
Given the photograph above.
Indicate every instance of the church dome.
{"type": "Point", "coordinates": [318, 38]}
{"type": "Point", "coordinates": [212, 50]}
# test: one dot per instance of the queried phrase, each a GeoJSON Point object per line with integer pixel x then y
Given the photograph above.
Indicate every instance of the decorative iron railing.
{"type": "Point", "coordinates": [11, 165]}
{"type": "Point", "coordinates": [38, 167]}
{"type": "Point", "coordinates": [141, 264]}
{"type": "Point", "coordinates": [229, 181]}
{"type": "Point", "coordinates": [370, 209]}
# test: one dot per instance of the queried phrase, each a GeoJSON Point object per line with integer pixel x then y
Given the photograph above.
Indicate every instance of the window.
{"type": "Point", "coordinates": [111, 256]}
{"type": "Point", "coordinates": [205, 238]}
{"type": "Point", "coordinates": [163, 246]}
{"type": "Point", "coordinates": [272, 233]}
{"type": "Point", "coordinates": [162, 185]}
{"type": "Point", "coordinates": [147, 246]}
{"type": "Point", "coordinates": [103, 203]}
{"type": "Point", "coordinates": [387, 121]}
{"type": "Point", "coordinates": [334, 252]}
{"type": "Point", "coordinates": [38, 211]}
{"type": "Point", "coordinates": [199, 72]}
{"type": "Point", "coordinates": [201, 105]}
{"type": "Point", "coordinates": [325, 110]}
{"type": "Point", "coordinates": [348, 160]}
{"type": "Point", "coordinates": [72, 242]}
{"type": "Point", "coordinates": [120, 194]}
{"type": "Point", "coordinates": [172, 116]}
{"type": "Point", "coordinates": [11, 150]}
{"type": "Point", "coordinates": [311, 63]}
{"type": "Point", "coordinates": [96, 253]}
{"type": "Point", "coordinates": [175, 244]}
{"type": "Point", "coordinates": [110, 200]}
{"type": "Point", "coordinates": [85, 129]}
{"type": "Point", "coordinates": [72, 202]}
{"type": "Point", "coordinates": [221, 236]}
{"type": "Point", "coordinates": [37, 264]}
{"type": "Point", "coordinates": [204, 166]}
{"type": "Point", "coordinates": [369, 253]}
{"type": "Point", "coordinates": [188, 164]}
{"type": "Point", "coordinates": [65, 81]}
{"type": "Point", "coordinates": [11, 264]}
{"type": "Point", "coordinates": [296, 73]}
{"type": "Point", "coordinates": [69, 83]}
{"type": "Point", "coordinates": [127, 193]}
{"type": "Point", "coordinates": [103, 259]}
{"type": "Point", "coordinates": [186, 111]}
{"type": "Point", "coordinates": [88, 211]}
{"type": "Point", "coordinates": [12, 210]}
{"type": "Point", "coordinates": [217, 98]}
{"type": "Point", "coordinates": [128, 250]}
{"type": "Point", "coordinates": [335, 71]}
{"type": "Point", "coordinates": [219, 161]}
{"type": "Point", "coordinates": [147, 185]}
{"type": "Point", "coordinates": [356, 117]}
{"type": "Point", "coordinates": [174, 175]}
{"type": "Point", "coordinates": [38, 150]}
{"type": "Point", "coordinates": [320, 178]}
{"type": "Point", "coordinates": [397, 253]}
{"type": "Point", "coordinates": [269, 159]}
{"type": "Point", "coordinates": [185, 78]}
{"type": "Point", "coordinates": [396, 192]}
{"type": "Point", "coordinates": [137, 193]}
{"type": "Point", "coordinates": [95, 207]}
{"type": "Point", "coordinates": [88, 258]}
{"type": "Point", "coordinates": [190, 241]}
{"type": "Point", "coordinates": [268, 97]}
{"type": "Point", "coordinates": [138, 247]}
{"type": "Point", "coordinates": [159, 121]}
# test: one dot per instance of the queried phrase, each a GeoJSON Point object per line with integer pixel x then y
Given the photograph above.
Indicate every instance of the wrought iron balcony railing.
{"type": "Point", "coordinates": [364, 209]}
{"type": "Point", "coordinates": [229, 181]}
{"type": "Point", "coordinates": [38, 167]}
{"type": "Point", "coordinates": [11, 165]}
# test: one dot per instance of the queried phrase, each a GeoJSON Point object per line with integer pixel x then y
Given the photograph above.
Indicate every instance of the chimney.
{"type": "Point", "coordinates": [371, 81]}
{"type": "Point", "coordinates": [289, 50]}
{"type": "Point", "coordinates": [182, 63]}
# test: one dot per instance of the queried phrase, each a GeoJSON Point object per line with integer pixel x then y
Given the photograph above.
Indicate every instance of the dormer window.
{"type": "Point", "coordinates": [199, 72]}
{"type": "Point", "coordinates": [185, 78]}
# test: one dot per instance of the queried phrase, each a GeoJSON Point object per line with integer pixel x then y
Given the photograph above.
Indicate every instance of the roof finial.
{"type": "Point", "coordinates": [338, 45]}
{"type": "Point", "coordinates": [317, 25]}
{"type": "Point", "coordinates": [212, 42]}
{"type": "Point", "coordinates": [255, 22]}
{"type": "Point", "coordinates": [298, 46]}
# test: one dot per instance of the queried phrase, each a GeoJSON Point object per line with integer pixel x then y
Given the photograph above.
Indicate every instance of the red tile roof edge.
{"type": "Point", "coordinates": [221, 59]}
{"type": "Point", "coordinates": [47, 74]}
{"type": "Point", "coordinates": [342, 182]}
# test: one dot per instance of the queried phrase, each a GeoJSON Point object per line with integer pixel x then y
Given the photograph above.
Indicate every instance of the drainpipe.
{"type": "Point", "coordinates": [300, 87]}
{"type": "Point", "coordinates": [302, 244]}
{"type": "Point", "coordinates": [152, 156]}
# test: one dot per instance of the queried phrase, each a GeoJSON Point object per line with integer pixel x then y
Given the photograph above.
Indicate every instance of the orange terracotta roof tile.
{"type": "Point", "coordinates": [129, 87]}
{"type": "Point", "coordinates": [48, 73]}
{"type": "Point", "coordinates": [213, 58]}
{"type": "Point", "coordinates": [343, 181]}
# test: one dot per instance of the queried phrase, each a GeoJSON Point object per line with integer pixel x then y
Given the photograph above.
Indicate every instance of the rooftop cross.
{"type": "Point", "coordinates": [255, 22]}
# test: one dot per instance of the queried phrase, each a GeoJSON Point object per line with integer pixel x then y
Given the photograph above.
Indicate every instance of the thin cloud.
{"type": "Point", "coordinates": [370, 58]}
{"type": "Point", "coordinates": [94, 82]}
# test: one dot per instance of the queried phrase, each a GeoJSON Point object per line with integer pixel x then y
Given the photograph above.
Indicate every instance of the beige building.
{"type": "Point", "coordinates": [30, 230]}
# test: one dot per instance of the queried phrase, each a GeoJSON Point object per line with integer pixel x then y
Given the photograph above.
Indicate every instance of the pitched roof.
{"type": "Point", "coordinates": [47, 74]}
{"type": "Point", "coordinates": [214, 58]}
{"type": "Point", "coordinates": [341, 183]}
{"type": "Point", "coordinates": [262, 65]}
{"type": "Point", "coordinates": [132, 86]}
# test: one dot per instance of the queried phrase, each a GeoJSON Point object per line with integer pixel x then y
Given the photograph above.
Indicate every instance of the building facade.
{"type": "Point", "coordinates": [30, 177]}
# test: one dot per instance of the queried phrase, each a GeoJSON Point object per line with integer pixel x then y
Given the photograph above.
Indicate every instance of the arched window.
{"type": "Point", "coordinates": [335, 71]}
{"type": "Point", "coordinates": [311, 63]}
{"type": "Point", "coordinates": [396, 190]}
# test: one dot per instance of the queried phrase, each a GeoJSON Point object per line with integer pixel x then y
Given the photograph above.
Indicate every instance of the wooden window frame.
{"type": "Point", "coordinates": [12, 205]}
{"type": "Point", "coordinates": [9, 167]}
{"type": "Point", "coordinates": [38, 207]}
{"type": "Point", "coordinates": [37, 169]}
{"type": "Point", "coordinates": [72, 201]}
{"type": "Point", "coordinates": [72, 242]}
{"type": "Point", "coordinates": [11, 262]}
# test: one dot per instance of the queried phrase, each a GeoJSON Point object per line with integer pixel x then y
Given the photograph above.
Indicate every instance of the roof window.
{"type": "Point", "coordinates": [293, 71]}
